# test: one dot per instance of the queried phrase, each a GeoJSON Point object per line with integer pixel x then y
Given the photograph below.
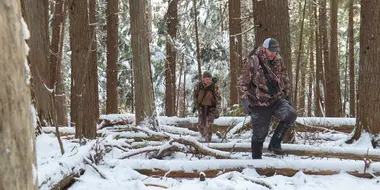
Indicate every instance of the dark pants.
{"type": "Point", "coordinates": [261, 118]}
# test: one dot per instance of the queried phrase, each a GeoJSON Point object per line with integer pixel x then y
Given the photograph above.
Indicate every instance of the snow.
{"type": "Point", "coordinates": [34, 116]}
{"type": "Point", "coordinates": [34, 174]}
{"type": "Point", "coordinates": [226, 121]}
{"type": "Point", "coordinates": [121, 174]}
{"type": "Point", "coordinates": [26, 35]}
{"type": "Point", "coordinates": [52, 166]}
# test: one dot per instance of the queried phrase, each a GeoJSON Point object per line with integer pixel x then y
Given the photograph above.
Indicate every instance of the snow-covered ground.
{"type": "Point", "coordinates": [120, 173]}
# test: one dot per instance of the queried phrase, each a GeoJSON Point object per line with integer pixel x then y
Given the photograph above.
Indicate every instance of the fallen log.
{"type": "Point", "coordinates": [63, 171]}
{"type": "Point", "coordinates": [67, 181]}
{"type": "Point", "coordinates": [267, 167]}
{"type": "Point", "coordinates": [178, 144]}
{"type": "Point", "coordinates": [293, 149]}
{"type": "Point", "coordinates": [307, 150]}
{"type": "Point", "coordinates": [247, 126]}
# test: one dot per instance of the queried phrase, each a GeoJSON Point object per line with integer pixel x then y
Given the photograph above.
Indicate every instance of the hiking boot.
{"type": "Point", "coordinates": [257, 150]}
{"type": "Point", "coordinates": [278, 136]}
{"type": "Point", "coordinates": [275, 146]}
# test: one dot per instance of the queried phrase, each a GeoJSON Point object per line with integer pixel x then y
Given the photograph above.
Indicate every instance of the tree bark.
{"type": "Point", "coordinates": [141, 62]}
{"type": "Point", "coordinates": [235, 47]}
{"type": "Point", "coordinates": [171, 56]}
{"type": "Point", "coordinates": [184, 87]}
{"type": "Point", "coordinates": [351, 55]}
{"type": "Point", "coordinates": [93, 76]}
{"type": "Point", "coordinates": [197, 39]}
{"type": "Point", "coordinates": [56, 46]}
{"type": "Point", "coordinates": [112, 52]}
{"type": "Point", "coordinates": [36, 16]}
{"type": "Point", "coordinates": [274, 24]}
{"type": "Point", "coordinates": [18, 169]}
{"type": "Point", "coordinates": [179, 96]}
{"type": "Point", "coordinates": [300, 49]}
{"type": "Point", "coordinates": [333, 94]}
{"type": "Point", "coordinates": [311, 69]}
{"type": "Point", "coordinates": [319, 90]}
{"type": "Point", "coordinates": [83, 108]}
{"type": "Point", "coordinates": [369, 86]}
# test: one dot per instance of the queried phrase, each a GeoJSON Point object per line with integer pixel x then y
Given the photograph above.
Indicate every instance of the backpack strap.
{"type": "Point", "coordinates": [204, 94]}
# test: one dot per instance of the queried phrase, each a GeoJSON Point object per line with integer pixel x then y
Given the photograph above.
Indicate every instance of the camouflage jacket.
{"type": "Point", "coordinates": [211, 98]}
{"type": "Point", "coordinates": [252, 83]}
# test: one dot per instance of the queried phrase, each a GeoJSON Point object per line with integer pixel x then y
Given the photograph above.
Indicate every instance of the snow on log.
{"type": "Point", "coordinates": [62, 171]}
{"type": "Point", "coordinates": [177, 144]}
{"type": "Point", "coordinates": [267, 167]}
{"type": "Point", "coordinates": [307, 150]}
{"type": "Point", "coordinates": [227, 121]}
{"type": "Point", "coordinates": [293, 149]}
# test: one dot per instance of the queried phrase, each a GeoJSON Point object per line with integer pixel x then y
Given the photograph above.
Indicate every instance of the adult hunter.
{"type": "Point", "coordinates": [207, 101]}
{"type": "Point", "coordinates": [265, 92]}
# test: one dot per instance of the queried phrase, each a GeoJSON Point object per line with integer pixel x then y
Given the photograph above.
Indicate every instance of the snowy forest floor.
{"type": "Point", "coordinates": [125, 156]}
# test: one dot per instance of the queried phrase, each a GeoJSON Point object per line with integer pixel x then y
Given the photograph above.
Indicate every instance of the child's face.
{"type": "Point", "coordinates": [207, 81]}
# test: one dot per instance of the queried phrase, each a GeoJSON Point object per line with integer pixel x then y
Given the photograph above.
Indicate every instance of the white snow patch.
{"type": "Point", "coordinates": [34, 174]}
{"type": "Point", "coordinates": [34, 116]}
{"type": "Point", "coordinates": [25, 30]}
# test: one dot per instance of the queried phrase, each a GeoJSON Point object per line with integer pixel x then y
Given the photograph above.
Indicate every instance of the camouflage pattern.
{"type": "Point", "coordinates": [252, 83]}
{"type": "Point", "coordinates": [206, 113]}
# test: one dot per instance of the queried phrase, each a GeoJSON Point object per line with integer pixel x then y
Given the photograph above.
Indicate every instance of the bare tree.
{"type": "Point", "coordinates": [141, 63]}
{"type": "Point", "coordinates": [235, 47]}
{"type": "Point", "coordinates": [93, 65]}
{"type": "Point", "coordinates": [333, 95]}
{"type": "Point", "coordinates": [171, 56]}
{"type": "Point", "coordinates": [17, 158]}
{"type": "Point", "coordinates": [36, 15]}
{"type": "Point", "coordinates": [83, 108]}
{"type": "Point", "coordinates": [300, 49]}
{"type": "Point", "coordinates": [112, 51]}
{"type": "Point", "coordinates": [56, 47]}
{"type": "Point", "coordinates": [319, 90]}
{"type": "Point", "coordinates": [197, 38]}
{"type": "Point", "coordinates": [369, 86]}
{"type": "Point", "coordinates": [351, 55]}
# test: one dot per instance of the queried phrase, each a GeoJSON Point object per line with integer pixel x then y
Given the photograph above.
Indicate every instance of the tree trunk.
{"type": "Point", "coordinates": [197, 39]}
{"type": "Point", "coordinates": [311, 66]}
{"type": "Point", "coordinates": [18, 169]}
{"type": "Point", "coordinates": [56, 47]}
{"type": "Point", "coordinates": [141, 62]}
{"type": "Point", "coordinates": [112, 51]}
{"type": "Point", "coordinates": [171, 56]}
{"type": "Point", "coordinates": [149, 13]}
{"type": "Point", "coordinates": [274, 24]}
{"type": "Point", "coordinates": [178, 96]}
{"type": "Point", "coordinates": [235, 47]}
{"type": "Point", "coordinates": [319, 90]}
{"type": "Point", "coordinates": [311, 72]}
{"type": "Point", "coordinates": [37, 15]}
{"type": "Point", "coordinates": [322, 44]}
{"type": "Point", "coordinates": [351, 55]}
{"type": "Point", "coordinates": [369, 86]}
{"type": "Point", "coordinates": [300, 49]}
{"type": "Point", "coordinates": [184, 88]}
{"type": "Point", "coordinates": [333, 95]}
{"type": "Point", "coordinates": [83, 110]}
{"type": "Point", "coordinates": [132, 89]}
{"type": "Point", "coordinates": [93, 76]}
